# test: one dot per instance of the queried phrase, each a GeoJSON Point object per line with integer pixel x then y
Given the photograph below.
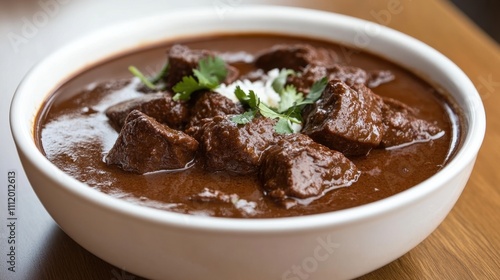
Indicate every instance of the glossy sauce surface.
{"type": "Point", "coordinates": [75, 135]}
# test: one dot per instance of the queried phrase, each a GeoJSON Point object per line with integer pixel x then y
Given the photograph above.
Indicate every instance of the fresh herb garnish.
{"type": "Point", "coordinates": [186, 87]}
{"type": "Point", "coordinates": [289, 98]}
{"type": "Point", "coordinates": [161, 74]}
{"type": "Point", "coordinates": [280, 81]}
{"type": "Point", "coordinates": [249, 99]}
{"type": "Point", "coordinates": [211, 71]}
{"type": "Point", "coordinates": [289, 110]}
{"type": "Point", "coordinates": [284, 124]}
{"type": "Point", "coordinates": [244, 118]}
{"type": "Point", "coordinates": [315, 92]}
{"type": "Point", "coordinates": [150, 82]}
{"type": "Point", "coordinates": [141, 77]}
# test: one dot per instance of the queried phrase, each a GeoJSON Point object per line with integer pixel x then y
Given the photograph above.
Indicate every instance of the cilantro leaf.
{"type": "Point", "coordinates": [290, 107]}
{"type": "Point", "coordinates": [163, 72]}
{"type": "Point", "coordinates": [150, 82]}
{"type": "Point", "coordinates": [253, 101]}
{"type": "Point", "coordinates": [141, 77]}
{"type": "Point", "coordinates": [185, 88]}
{"type": "Point", "coordinates": [241, 95]}
{"type": "Point", "coordinates": [289, 98]}
{"type": "Point", "coordinates": [211, 71]}
{"type": "Point", "coordinates": [283, 126]}
{"type": "Point", "coordinates": [280, 81]}
{"type": "Point", "coordinates": [267, 112]}
{"type": "Point", "coordinates": [250, 99]}
{"type": "Point", "coordinates": [316, 91]}
{"type": "Point", "coordinates": [244, 118]}
{"type": "Point", "coordinates": [294, 114]}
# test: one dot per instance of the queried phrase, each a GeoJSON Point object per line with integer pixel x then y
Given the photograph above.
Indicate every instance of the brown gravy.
{"type": "Point", "coordinates": [74, 134]}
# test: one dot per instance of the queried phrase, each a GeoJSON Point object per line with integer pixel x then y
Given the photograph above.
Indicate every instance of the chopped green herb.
{"type": "Point", "coordinates": [250, 99]}
{"type": "Point", "coordinates": [150, 82]}
{"type": "Point", "coordinates": [289, 98]}
{"type": "Point", "coordinates": [186, 87]}
{"type": "Point", "coordinates": [141, 77]}
{"type": "Point", "coordinates": [244, 118]}
{"type": "Point", "coordinates": [288, 93]}
{"type": "Point", "coordinates": [284, 124]}
{"type": "Point", "coordinates": [163, 72]}
{"type": "Point", "coordinates": [290, 107]}
{"type": "Point", "coordinates": [280, 81]}
{"type": "Point", "coordinates": [211, 71]}
{"type": "Point", "coordinates": [316, 90]}
{"type": "Point", "coordinates": [268, 112]}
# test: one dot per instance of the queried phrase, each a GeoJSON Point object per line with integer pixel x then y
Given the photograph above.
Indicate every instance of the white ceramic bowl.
{"type": "Point", "coordinates": [164, 245]}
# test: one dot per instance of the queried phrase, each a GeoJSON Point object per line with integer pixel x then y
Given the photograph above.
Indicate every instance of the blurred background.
{"type": "Point", "coordinates": [485, 13]}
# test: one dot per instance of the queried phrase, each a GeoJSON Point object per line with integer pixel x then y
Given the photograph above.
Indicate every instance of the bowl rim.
{"type": "Point", "coordinates": [472, 138]}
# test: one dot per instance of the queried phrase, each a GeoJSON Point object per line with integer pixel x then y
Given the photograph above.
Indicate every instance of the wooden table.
{"type": "Point", "coordinates": [465, 246]}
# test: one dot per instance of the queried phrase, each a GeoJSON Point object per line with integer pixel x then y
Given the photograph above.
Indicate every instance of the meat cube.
{"type": "Point", "coordinates": [348, 74]}
{"type": "Point", "coordinates": [298, 167]}
{"type": "Point", "coordinates": [196, 131]}
{"type": "Point", "coordinates": [401, 125]}
{"type": "Point", "coordinates": [182, 60]}
{"type": "Point", "coordinates": [228, 146]}
{"type": "Point", "coordinates": [144, 145]}
{"type": "Point", "coordinates": [159, 106]}
{"type": "Point", "coordinates": [210, 104]}
{"type": "Point", "coordinates": [294, 57]}
{"type": "Point", "coordinates": [346, 119]}
{"type": "Point", "coordinates": [312, 73]}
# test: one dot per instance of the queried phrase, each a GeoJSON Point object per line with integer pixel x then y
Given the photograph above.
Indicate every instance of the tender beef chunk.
{"type": "Point", "coordinates": [159, 106]}
{"type": "Point", "coordinates": [346, 119]}
{"type": "Point", "coordinates": [348, 74]}
{"type": "Point", "coordinates": [232, 147]}
{"type": "Point", "coordinates": [210, 104]}
{"type": "Point", "coordinates": [196, 131]}
{"type": "Point", "coordinates": [312, 73]}
{"type": "Point", "coordinates": [182, 60]}
{"type": "Point", "coordinates": [298, 167]}
{"type": "Point", "coordinates": [401, 125]}
{"type": "Point", "coordinates": [144, 145]}
{"type": "Point", "coordinates": [294, 57]}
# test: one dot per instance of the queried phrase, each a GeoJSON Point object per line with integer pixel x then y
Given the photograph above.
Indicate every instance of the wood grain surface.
{"type": "Point", "coordinates": [465, 246]}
